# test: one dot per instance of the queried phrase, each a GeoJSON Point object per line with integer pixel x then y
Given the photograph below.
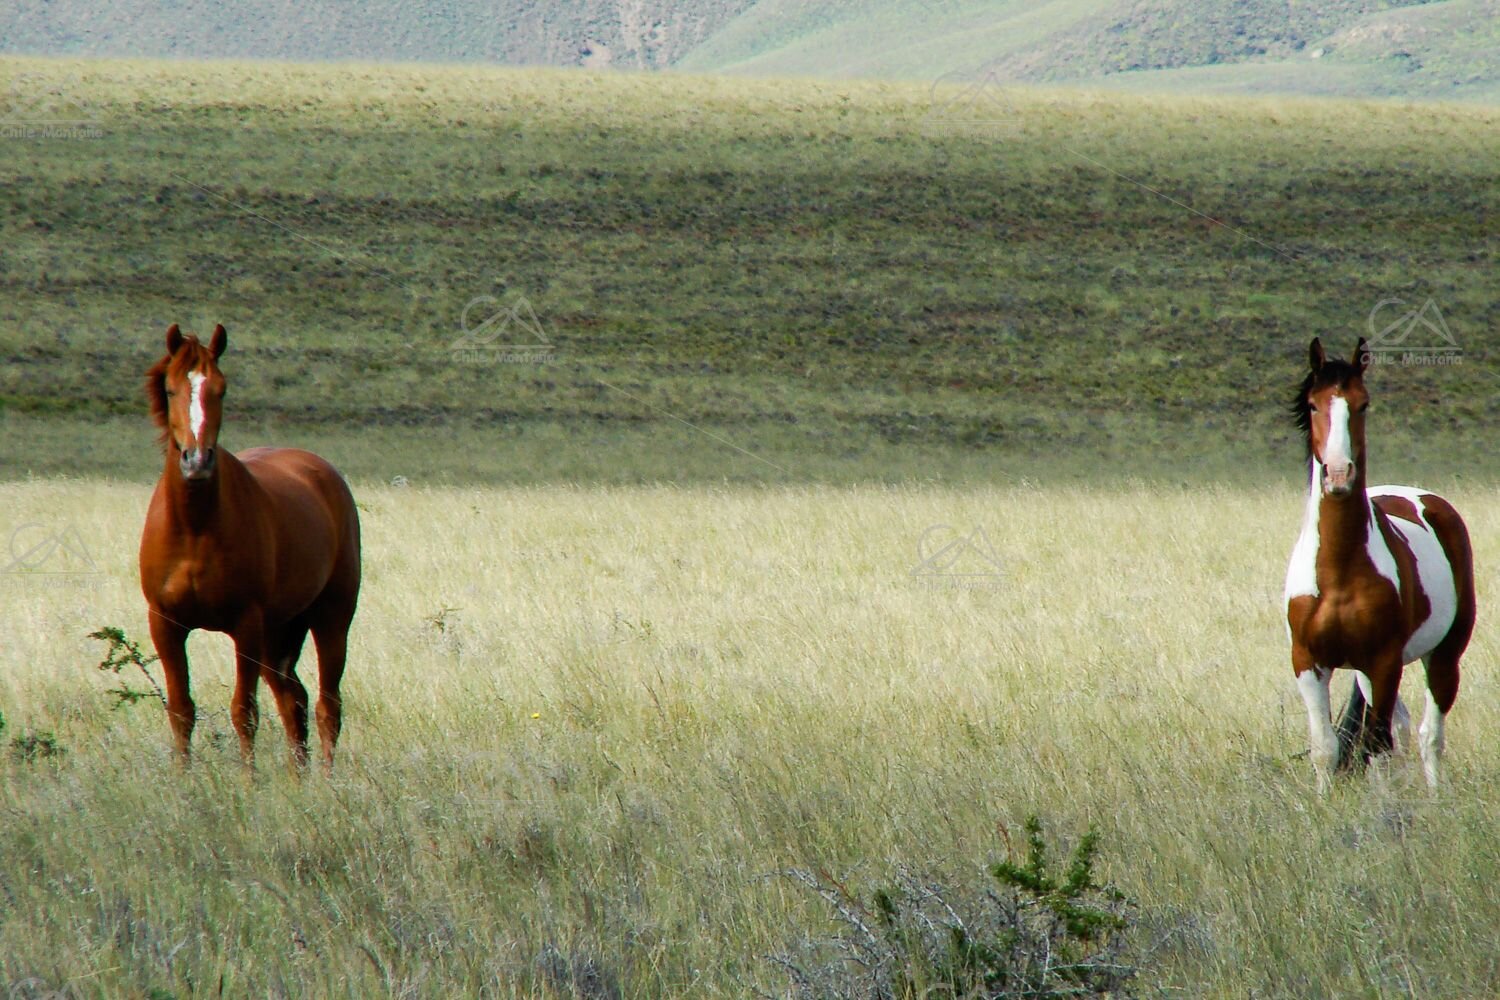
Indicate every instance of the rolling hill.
{"type": "Point", "coordinates": [733, 278]}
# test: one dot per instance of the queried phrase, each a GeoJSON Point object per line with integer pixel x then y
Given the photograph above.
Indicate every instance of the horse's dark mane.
{"type": "Point", "coordinates": [156, 396]}
{"type": "Point", "coordinates": [1334, 372]}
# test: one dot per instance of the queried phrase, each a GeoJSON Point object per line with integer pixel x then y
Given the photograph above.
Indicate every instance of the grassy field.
{"type": "Point", "coordinates": [597, 722]}
{"type": "Point", "coordinates": [836, 279]}
{"type": "Point", "coordinates": [688, 379]}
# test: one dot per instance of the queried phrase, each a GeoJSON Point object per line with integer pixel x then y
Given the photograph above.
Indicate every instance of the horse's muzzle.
{"type": "Point", "coordinates": [1338, 482]}
{"type": "Point", "coordinates": [197, 463]}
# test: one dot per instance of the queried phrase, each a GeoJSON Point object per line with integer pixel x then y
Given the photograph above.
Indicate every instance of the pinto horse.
{"type": "Point", "coordinates": [1380, 577]}
{"type": "Point", "coordinates": [263, 546]}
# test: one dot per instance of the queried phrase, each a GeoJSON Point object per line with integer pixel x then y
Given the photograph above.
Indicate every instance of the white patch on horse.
{"type": "Point", "coordinates": [1400, 727]}
{"type": "Point", "coordinates": [1379, 552]}
{"type": "Point", "coordinates": [1302, 571]}
{"type": "Point", "coordinates": [195, 404]}
{"type": "Point", "coordinates": [1434, 574]}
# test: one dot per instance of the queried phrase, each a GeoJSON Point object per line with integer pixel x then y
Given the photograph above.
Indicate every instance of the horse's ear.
{"type": "Point", "coordinates": [221, 340]}
{"type": "Point", "coordinates": [174, 339]}
{"type": "Point", "coordinates": [1315, 354]}
{"type": "Point", "coordinates": [1361, 356]}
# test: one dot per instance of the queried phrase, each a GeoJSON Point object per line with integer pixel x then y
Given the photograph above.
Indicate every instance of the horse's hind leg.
{"type": "Point", "coordinates": [330, 617]}
{"type": "Point", "coordinates": [332, 640]}
{"type": "Point", "coordinates": [280, 673]}
{"type": "Point", "coordinates": [1442, 691]}
{"type": "Point", "coordinates": [1442, 662]}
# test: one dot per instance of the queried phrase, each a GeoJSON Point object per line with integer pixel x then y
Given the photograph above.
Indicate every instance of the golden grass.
{"type": "Point", "coordinates": [640, 703]}
{"type": "Point", "coordinates": [353, 94]}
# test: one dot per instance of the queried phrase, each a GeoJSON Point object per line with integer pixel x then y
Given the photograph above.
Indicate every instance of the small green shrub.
{"type": "Point", "coordinates": [1035, 934]}
{"type": "Point", "coordinates": [36, 746]}
{"type": "Point", "coordinates": [123, 652]}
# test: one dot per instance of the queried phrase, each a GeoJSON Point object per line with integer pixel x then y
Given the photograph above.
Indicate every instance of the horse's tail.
{"type": "Point", "coordinates": [1351, 731]}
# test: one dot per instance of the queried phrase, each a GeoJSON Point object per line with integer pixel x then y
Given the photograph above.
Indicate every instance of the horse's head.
{"type": "Point", "coordinates": [186, 390]}
{"type": "Point", "coordinates": [1330, 408]}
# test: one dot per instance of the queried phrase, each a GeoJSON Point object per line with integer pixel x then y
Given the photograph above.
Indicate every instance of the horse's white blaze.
{"type": "Point", "coordinates": [195, 404]}
{"type": "Point", "coordinates": [1324, 741]}
{"type": "Point", "coordinates": [1337, 450]}
{"type": "Point", "coordinates": [1432, 740]}
{"type": "Point", "coordinates": [1433, 573]}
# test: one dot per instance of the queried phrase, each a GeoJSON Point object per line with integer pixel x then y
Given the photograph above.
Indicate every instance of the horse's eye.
{"type": "Point", "coordinates": [1312, 408]}
{"type": "Point", "coordinates": [1364, 408]}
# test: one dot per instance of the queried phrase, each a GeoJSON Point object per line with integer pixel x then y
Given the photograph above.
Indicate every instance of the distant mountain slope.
{"type": "Point", "coordinates": [1379, 48]}
{"type": "Point", "coordinates": [1335, 47]}
{"type": "Point", "coordinates": [635, 34]}
{"type": "Point", "coordinates": [1363, 47]}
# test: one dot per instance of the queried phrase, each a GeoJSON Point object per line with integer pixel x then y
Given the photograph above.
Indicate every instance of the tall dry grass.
{"type": "Point", "coordinates": [585, 727]}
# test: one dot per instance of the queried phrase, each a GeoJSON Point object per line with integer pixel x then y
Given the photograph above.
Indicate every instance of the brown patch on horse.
{"type": "Point", "coordinates": [1398, 507]}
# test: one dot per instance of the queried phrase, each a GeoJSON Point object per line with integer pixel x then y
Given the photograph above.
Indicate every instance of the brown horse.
{"type": "Point", "coordinates": [1380, 577]}
{"type": "Point", "coordinates": [263, 546]}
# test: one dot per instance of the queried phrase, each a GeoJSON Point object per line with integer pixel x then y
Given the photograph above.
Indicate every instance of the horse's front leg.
{"type": "Point", "coordinates": [1323, 742]}
{"type": "Point", "coordinates": [170, 640]}
{"type": "Point", "coordinates": [249, 658]}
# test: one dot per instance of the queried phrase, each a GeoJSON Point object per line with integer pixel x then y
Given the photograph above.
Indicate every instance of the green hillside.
{"type": "Point", "coordinates": [731, 279]}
